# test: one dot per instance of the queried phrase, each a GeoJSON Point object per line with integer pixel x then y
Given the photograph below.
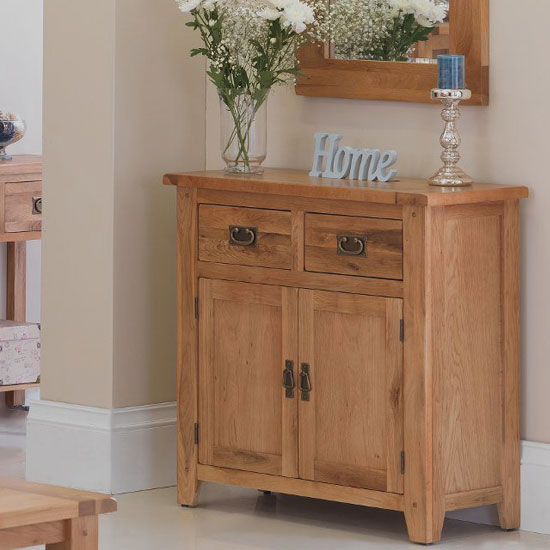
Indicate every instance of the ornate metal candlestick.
{"type": "Point", "coordinates": [450, 175]}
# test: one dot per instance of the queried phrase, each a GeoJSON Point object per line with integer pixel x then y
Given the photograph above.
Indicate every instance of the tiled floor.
{"type": "Point", "coordinates": [239, 519]}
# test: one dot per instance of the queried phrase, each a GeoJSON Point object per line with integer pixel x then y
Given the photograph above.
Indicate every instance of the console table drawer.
{"type": "Point", "coordinates": [245, 236]}
{"type": "Point", "coordinates": [23, 206]}
{"type": "Point", "coordinates": [368, 247]}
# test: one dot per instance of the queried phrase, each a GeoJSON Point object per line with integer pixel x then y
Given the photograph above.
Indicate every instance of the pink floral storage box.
{"type": "Point", "coordinates": [19, 353]}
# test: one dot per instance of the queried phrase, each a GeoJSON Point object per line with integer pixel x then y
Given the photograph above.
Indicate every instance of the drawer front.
{"type": "Point", "coordinates": [245, 236]}
{"type": "Point", "coordinates": [23, 206]}
{"type": "Point", "coordinates": [366, 247]}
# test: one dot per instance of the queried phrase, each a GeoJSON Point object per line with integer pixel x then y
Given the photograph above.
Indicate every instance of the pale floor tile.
{"type": "Point", "coordinates": [231, 518]}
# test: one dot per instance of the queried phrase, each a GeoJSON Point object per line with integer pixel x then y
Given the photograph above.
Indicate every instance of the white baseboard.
{"type": "Point", "coordinates": [535, 493]}
{"type": "Point", "coordinates": [111, 451]}
{"type": "Point", "coordinates": [132, 449]}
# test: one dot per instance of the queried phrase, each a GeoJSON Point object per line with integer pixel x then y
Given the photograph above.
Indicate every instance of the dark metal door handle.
{"type": "Point", "coordinates": [305, 382]}
{"type": "Point", "coordinates": [352, 245]}
{"type": "Point", "coordinates": [242, 236]}
{"type": "Point", "coordinates": [288, 379]}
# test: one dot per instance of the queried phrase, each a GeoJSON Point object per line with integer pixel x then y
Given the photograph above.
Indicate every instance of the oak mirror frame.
{"type": "Point", "coordinates": [402, 81]}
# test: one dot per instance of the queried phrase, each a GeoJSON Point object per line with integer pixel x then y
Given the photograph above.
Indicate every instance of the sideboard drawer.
{"type": "Point", "coordinates": [245, 236]}
{"type": "Point", "coordinates": [368, 247]}
{"type": "Point", "coordinates": [23, 206]}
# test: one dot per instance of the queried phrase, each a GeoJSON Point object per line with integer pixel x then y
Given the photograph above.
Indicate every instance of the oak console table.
{"type": "Point", "coordinates": [20, 221]}
{"type": "Point", "coordinates": [350, 341]}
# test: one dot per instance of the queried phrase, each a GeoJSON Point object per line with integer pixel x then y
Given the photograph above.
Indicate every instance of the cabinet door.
{"type": "Point", "coordinates": [247, 333]}
{"type": "Point", "coordinates": [351, 425]}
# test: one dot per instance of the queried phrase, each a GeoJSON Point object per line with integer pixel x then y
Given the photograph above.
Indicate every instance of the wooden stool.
{"type": "Point", "coordinates": [63, 519]}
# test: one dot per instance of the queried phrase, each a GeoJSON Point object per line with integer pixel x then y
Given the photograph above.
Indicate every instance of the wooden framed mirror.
{"type": "Point", "coordinates": [466, 32]}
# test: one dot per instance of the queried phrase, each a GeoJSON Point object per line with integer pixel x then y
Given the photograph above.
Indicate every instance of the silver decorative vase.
{"type": "Point", "coordinates": [450, 175]}
{"type": "Point", "coordinates": [12, 129]}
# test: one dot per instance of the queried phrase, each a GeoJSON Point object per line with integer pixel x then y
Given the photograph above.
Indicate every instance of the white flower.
{"type": "Point", "coordinates": [426, 12]}
{"type": "Point", "coordinates": [188, 5]}
{"type": "Point", "coordinates": [297, 15]}
{"type": "Point", "coordinates": [271, 14]}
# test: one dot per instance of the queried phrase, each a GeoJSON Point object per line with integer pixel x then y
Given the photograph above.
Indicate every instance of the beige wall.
{"type": "Point", "coordinates": [506, 142]}
{"type": "Point", "coordinates": [123, 104]}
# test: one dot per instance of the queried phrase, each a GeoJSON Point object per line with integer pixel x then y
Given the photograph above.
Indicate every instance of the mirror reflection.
{"type": "Point", "coordinates": [388, 30]}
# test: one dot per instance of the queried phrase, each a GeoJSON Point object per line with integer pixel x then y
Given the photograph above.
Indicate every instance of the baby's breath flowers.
{"type": "Point", "coordinates": [251, 46]}
{"type": "Point", "coordinates": [383, 30]}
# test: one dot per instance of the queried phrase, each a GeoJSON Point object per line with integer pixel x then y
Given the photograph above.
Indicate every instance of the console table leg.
{"type": "Point", "coordinates": [16, 303]}
{"type": "Point", "coordinates": [82, 534]}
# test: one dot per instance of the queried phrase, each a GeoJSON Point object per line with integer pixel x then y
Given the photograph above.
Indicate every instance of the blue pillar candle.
{"type": "Point", "coordinates": [451, 71]}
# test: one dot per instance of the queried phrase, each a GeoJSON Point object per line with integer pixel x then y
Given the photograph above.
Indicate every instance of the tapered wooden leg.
{"type": "Point", "coordinates": [82, 534]}
{"type": "Point", "coordinates": [16, 303]}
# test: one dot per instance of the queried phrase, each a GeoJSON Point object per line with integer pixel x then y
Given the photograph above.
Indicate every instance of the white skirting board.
{"type": "Point", "coordinates": [132, 449]}
{"type": "Point", "coordinates": [535, 493]}
{"type": "Point", "coordinates": [110, 451]}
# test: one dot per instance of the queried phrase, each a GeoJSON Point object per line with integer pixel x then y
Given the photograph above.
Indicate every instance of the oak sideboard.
{"type": "Point", "coordinates": [350, 341]}
{"type": "Point", "coordinates": [20, 221]}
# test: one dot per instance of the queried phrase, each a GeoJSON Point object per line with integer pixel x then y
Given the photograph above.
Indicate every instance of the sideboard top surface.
{"type": "Point", "coordinates": [21, 168]}
{"type": "Point", "coordinates": [276, 181]}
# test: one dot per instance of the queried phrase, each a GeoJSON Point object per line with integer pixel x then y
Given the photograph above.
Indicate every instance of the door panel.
{"type": "Point", "coordinates": [246, 332]}
{"type": "Point", "coordinates": [351, 429]}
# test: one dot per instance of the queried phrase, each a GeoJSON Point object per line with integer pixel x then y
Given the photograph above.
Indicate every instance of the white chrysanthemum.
{"type": "Point", "coordinates": [188, 5]}
{"type": "Point", "coordinates": [426, 12]}
{"type": "Point", "coordinates": [271, 14]}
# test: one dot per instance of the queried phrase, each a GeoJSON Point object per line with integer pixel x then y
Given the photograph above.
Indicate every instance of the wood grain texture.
{"type": "Point", "coordinates": [509, 510]}
{"type": "Point", "coordinates": [472, 499]}
{"type": "Point", "coordinates": [16, 300]}
{"type": "Point", "coordinates": [81, 534]}
{"type": "Point", "coordinates": [468, 35]}
{"type": "Point", "coordinates": [312, 489]}
{"type": "Point", "coordinates": [18, 207]}
{"type": "Point", "coordinates": [424, 520]}
{"type": "Point", "coordinates": [187, 368]}
{"type": "Point", "coordinates": [301, 204]}
{"type": "Point", "coordinates": [344, 428]}
{"type": "Point", "coordinates": [467, 351]}
{"type": "Point", "coordinates": [21, 168]}
{"type": "Point", "coordinates": [18, 508]}
{"type": "Point", "coordinates": [384, 247]}
{"type": "Point", "coordinates": [246, 333]}
{"type": "Point", "coordinates": [320, 281]}
{"type": "Point", "coordinates": [16, 306]}
{"type": "Point", "coordinates": [88, 503]}
{"type": "Point", "coordinates": [32, 535]}
{"type": "Point", "coordinates": [272, 247]}
{"type": "Point", "coordinates": [297, 183]}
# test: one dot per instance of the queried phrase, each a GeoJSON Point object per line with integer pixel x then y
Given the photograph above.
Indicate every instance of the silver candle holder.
{"type": "Point", "coordinates": [450, 175]}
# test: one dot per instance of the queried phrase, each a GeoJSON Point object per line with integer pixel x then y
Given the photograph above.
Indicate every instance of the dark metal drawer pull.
{"type": "Point", "coordinates": [352, 245]}
{"type": "Point", "coordinates": [37, 205]}
{"type": "Point", "coordinates": [305, 382]}
{"type": "Point", "coordinates": [288, 379]}
{"type": "Point", "coordinates": [242, 236]}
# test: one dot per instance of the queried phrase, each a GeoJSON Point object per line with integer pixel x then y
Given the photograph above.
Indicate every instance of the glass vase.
{"type": "Point", "coordinates": [243, 133]}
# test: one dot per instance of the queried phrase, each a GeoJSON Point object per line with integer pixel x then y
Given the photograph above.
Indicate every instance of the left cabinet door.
{"type": "Point", "coordinates": [248, 340]}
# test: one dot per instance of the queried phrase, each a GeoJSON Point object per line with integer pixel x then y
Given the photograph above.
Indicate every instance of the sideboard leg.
{"type": "Point", "coordinates": [509, 511]}
{"type": "Point", "coordinates": [16, 300]}
{"type": "Point", "coordinates": [424, 505]}
{"type": "Point", "coordinates": [187, 374]}
{"type": "Point", "coordinates": [82, 534]}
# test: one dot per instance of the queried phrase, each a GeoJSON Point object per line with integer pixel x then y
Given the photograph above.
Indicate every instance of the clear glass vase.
{"type": "Point", "coordinates": [243, 133]}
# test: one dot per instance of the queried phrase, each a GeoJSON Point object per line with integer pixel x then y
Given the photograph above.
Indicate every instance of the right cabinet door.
{"type": "Point", "coordinates": [351, 390]}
